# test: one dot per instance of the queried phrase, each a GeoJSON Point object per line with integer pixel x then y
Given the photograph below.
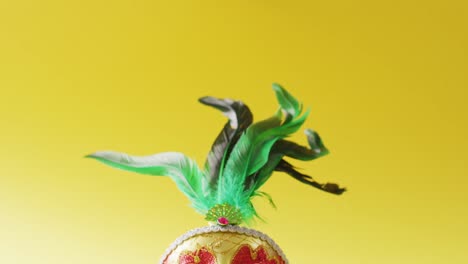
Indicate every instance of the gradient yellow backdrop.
{"type": "Point", "coordinates": [386, 80]}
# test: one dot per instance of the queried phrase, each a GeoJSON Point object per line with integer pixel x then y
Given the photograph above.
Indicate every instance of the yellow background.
{"type": "Point", "coordinates": [386, 80]}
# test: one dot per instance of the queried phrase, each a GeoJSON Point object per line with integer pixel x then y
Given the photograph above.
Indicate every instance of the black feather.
{"type": "Point", "coordinates": [286, 167]}
{"type": "Point", "coordinates": [290, 149]}
{"type": "Point", "coordinates": [240, 118]}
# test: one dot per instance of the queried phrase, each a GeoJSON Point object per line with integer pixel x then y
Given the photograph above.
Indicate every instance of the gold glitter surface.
{"type": "Point", "coordinates": [224, 245]}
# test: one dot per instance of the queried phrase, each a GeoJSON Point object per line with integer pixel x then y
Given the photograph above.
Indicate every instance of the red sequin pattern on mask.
{"type": "Point", "coordinates": [200, 256]}
{"type": "Point", "coordinates": [245, 255]}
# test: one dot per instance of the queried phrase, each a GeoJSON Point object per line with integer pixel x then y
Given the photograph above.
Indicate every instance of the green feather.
{"type": "Point", "coordinates": [181, 169]}
{"type": "Point", "coordinates": [290, 149]}
{"type": "Point", "coordinates": [296, 151]}
{"type": "Point", "coordinates": [288, 103]}
{"type": "Point", "coordinates": [230, 185]}
{"type": "Point", "coordinates": [240, 118]}
{"type": "Point", "coordinates": [252, 150]}
{"type": "Point", "coordinates": [242, 159]}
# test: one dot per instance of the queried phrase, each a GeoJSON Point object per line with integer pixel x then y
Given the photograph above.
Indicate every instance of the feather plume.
{"type": "Point", "coordinates": [240, 117]}
{"type": "Point", "coordinates": [290, 149]}
{"type": "Point", "coordinates": [296, 151]}
{"type": "Point", "coordinates": [293, 150]}
{"type": "Point", "coordinates": [252, 150]}
{"type": "Point", "coordinates": [181, 169]}
{"type": "Point", "coordinates": [230, 184]}
{"type": "Point", "coordinates": [241, 160]}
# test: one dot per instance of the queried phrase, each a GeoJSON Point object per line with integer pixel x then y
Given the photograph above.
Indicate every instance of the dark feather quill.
{"type": "Point", "coordinates": [286, 167]}
{"type": "Point", "coordinates": [240, 117]}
